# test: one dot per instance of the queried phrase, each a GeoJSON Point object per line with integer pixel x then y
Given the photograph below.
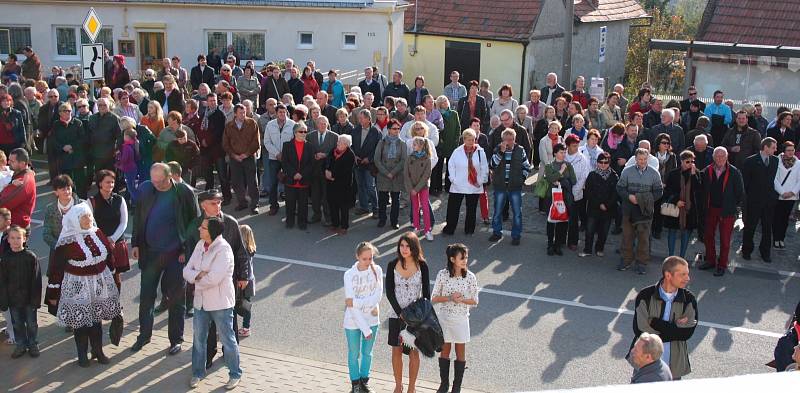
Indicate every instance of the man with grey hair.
{"type": "Point", "coordinates": [506, 122]}
{"type": "Point", "coordinates": [652, 161]}
{"type": "Point", "coordinates": [668, 127]}
{"type": "Point", "coordinates": [623, 102]}
{"type": "Point", "coordinates": [370, 85]}
{"type": "Point", "coordinates": [324, 141]}
{"type": "Point", "coordinates": [646, 360]}
{"type": "Point", "coordinates": [725, 189]}
{"type": "Point", "coordinates": [639, 187]}
{"type": "Point", "coordinates": [552, 90]}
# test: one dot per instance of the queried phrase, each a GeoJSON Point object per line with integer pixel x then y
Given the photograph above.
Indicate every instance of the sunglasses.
{"type": "Point", "coordinates": [665, 143]}
{"type": "Point", "coordinates": [82, 106]}
{"type": "Point", "coordinates": [302, 132]}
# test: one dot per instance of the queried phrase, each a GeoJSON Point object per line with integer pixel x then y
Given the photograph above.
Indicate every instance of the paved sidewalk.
{"type": "Point", "coordinates": [152, 370]}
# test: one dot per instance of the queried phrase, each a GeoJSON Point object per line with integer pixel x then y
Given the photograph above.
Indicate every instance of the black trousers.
{"type": "Point", "coordinates": [454, 208]}
{"type": "Point", "coordinates": [296, 206]}
{"type": "Point", "coordinates": [577, 218]}
{"type": "Point", "coordinates": [340, 216]}
{"type": "Point", "coordinates": [556, 234]}
{"type": "Point", "coordinates": [243, 177]}
{"type": "Point", "coordinates": [222, 171]}
{"type": "Point", "coordinates": [658, 219]}
{"type": "Point", "coordinates": [754, 214]}
{"type": "Point", "coordinates": [383, 200]}
{"type": "Point", "coordinates": [780, 222]}
{"type": "Point", "coordinates": [319, 198]}
{"type": "Point", "coordinates": [597, 224]}
{"type": "Point", "coordinates": [436, 176]}
{"type": "Point", "coordinates": [84, 335]}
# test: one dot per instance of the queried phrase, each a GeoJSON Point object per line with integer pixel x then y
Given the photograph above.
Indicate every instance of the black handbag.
{"type": "Point", "coordinates": [243, 304]}
{"type": "Point", "coordinates": [115, 330]}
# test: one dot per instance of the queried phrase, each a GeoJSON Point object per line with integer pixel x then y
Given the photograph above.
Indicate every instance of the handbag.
{"type": "Point", "coordinates": [541, 188]}
{"type": "Point", "coordinates": [558, 209]}
{"type": "Point", "coordinates": [670, 210]}
{"type": "Point", "coordinates": [115, 330]}
{"type": "Point", "coordinates": [122, 262]}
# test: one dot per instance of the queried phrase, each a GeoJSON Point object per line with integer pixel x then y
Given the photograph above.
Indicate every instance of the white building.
{"type": "Point", "coordinates": [343, 34]}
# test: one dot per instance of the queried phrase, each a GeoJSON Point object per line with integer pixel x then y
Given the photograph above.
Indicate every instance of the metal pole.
{"type": "Point", "coordinates": [569, 17]}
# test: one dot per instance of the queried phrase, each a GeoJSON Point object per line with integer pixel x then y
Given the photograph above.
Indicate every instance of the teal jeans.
{"type": "Point", "coordinates": [358, 345]}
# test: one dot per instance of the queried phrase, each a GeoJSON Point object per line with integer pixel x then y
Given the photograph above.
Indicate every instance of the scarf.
{"type": "Point", "coordinates": [604, 173]}
{"type": "Point", "coordinates": [65, 208]}
{"type": "Point", "coordinates": [686, 193]}
{"type": "Point", "coordinates": [382, 124]}
{"type": "Point", "coordinates": [662, 157]}
{"type": "Point", "coordinates": [580, 133]}
{"type": "Point", "coordinates": [391, 153]}
{"type": "Point", "coordinates": [472, 173]}
{"type": "Point", "coordinates": [337, 153]}
{"type": "Point", "coordinates": [613, 140]}
{"type": "Point", "coordinates": [330, 88]}
{"type": "Point", "coordinates": [553, 138]}
{"type": "Point", "coordinates": [419, 154]}
{"type": "Point", "coordinates": [788, 161]}
{"type": "Point", "coordinates": [533, 109]}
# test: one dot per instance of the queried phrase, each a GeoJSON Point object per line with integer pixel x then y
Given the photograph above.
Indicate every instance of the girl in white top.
{"type": "Point", "coordinates": [363, 288]}
{"type": "Point", "coordinates": [787, 185]}
{"type": "Point", "coordinates": [454, 293]}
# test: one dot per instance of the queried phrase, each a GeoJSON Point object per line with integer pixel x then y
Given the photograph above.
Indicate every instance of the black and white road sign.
{"type": "Point", "coordinates": [92, 62]}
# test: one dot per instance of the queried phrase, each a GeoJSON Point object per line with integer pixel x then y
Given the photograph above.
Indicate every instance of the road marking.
{"type": "Point", "coordinates": [570, 303]}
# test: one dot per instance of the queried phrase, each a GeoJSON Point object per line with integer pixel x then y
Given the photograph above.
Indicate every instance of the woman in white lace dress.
{"type": "Point", "coordinates": [80, 282]}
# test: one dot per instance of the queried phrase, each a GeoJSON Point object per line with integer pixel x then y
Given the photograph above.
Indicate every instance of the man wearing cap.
{"type": "Point", "coordinates": [211, 206]}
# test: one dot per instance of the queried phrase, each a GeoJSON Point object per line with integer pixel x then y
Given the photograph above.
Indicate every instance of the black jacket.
{"type": "Point", "coordinates": [188, 211]}
{"type": "Point", "coordinates": [341, 189]}
{"type": "Point", "coordinates": [557, 90]}
{"type": "Point", "coordinates": [522, 139]}
{"type": "Point", "coordinates": [651, 119]}
{"type": "Point", "coordinates": [790, 135]}
{"type": "Point", "coordinates": [20, 280]}
{"type": "Point", "coordinates": [601, 191]}
{"type": "Point", "coordinates": [296, 88]}
{"type": "Point", "coordinates": [687, 102]}
{"type": "Point", "coordinates": [732, 193]}
{"type": "Point", "coordinates": [232, 235]}
{"type": "Point", "coordinates": [375, 89]}
{"type": "Point", "coordinates": [412, 98]}
{"type": "Point", "coordinates": [481, 112]}
{"type": "Point", "coordinates": [672, 194]}
{"type": "Point", "coordinates": [196, 77]}
{"type": "Point", "coordinates": [291, 165]}
{"type": "Point", "coordinates": [367, 149]}
{"type": "Point", "coordinates": [517, 176]}
{"type": "Point", "coordinates": [759, 179]}
{"type": "Point", "coordinates": [389, 286]}
{"type": "Point", "coordinates": [176, 102]}
{"type": "Point", "coordinates": [397, 91]}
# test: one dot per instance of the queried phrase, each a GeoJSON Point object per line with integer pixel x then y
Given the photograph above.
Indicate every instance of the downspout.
{"type": "Point", "coordinates": [390, 54]}
{"type": "Point", "coordinates": [523, 70]}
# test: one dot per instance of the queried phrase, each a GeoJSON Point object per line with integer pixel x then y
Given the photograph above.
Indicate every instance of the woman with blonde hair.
{"type": "Point", "coordinates": [154, 118]}
{"type": "Point", "coordinates": [246, 294]}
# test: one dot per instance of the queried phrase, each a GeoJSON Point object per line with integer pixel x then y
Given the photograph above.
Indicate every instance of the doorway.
{"type": "Point", "coordinates": [464, 57]}
{"type": "Point", "coordinates": [152, 49]}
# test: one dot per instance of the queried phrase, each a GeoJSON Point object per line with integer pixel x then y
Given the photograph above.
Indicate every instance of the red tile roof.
{"type": "Point", "coordinates": [504, 20]}
{"type": "Point", "coordinates": [757, 22]}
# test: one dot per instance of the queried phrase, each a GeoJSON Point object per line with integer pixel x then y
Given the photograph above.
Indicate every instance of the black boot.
{"type": "Point", "coordinates": [444, 374]}
{"type": "Point", "coordinates": [458, 375]}
{"type": "Point", "coordinates": [365, 386]}
{"type": "Point", "coordinates": [96, 339]}
{"type": "Point", "coordinates": [356, 386]}
{"type": "Point", "coordinates": [82, 343]}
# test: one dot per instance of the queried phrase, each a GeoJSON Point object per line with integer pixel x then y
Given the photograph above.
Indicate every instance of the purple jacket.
{"type": "Point", "coordinates": [126, 158]}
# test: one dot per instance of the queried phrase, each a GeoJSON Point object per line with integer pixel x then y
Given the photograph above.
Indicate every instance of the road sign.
{"type": "Point", "coordinates": [92, 62]}
{"type": "Point", "coordinates": [603, 32]}
{"type": "Point", "coordinates": [92, 25]}
{"type": "Point", "coordinates": [597, 88]}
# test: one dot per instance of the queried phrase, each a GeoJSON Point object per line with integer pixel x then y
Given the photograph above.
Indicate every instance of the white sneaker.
{"type": "Point", "coordinates": [232, 384]}
{"type": "Point", "coordinates": [194, 382]}
{"type": "Point", "coordinates": [429, 236]}
{"type": "Point", "coordinates": [583, 254]}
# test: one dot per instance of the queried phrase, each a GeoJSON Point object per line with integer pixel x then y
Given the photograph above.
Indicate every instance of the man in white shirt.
{"type": "Point", "coordinates": [420, 114]}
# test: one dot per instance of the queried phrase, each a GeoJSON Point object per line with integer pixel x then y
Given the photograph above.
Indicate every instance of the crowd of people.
{"type": "Point", "coordinates": [139, 147]}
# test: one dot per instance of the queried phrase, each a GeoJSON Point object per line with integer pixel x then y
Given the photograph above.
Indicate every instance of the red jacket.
{"type": "Point", "coordinates": [20, 200]}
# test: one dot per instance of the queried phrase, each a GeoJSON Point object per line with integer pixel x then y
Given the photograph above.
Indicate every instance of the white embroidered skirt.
{"type": "Point", "coordinates": [86, 300]}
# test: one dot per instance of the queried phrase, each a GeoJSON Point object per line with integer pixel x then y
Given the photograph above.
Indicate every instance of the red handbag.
{"type": "Point", "coordinates": [121, 261]}
{"type": "Point", "coordinates": [558, 209]}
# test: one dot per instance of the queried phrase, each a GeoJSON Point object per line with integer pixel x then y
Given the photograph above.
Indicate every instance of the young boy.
{"type": "Point", "coordinates": [185, 152]}
{"type": "Point", "coordinates": [21, 291]}
{"type": "Point", "coordinates": [5, 223]}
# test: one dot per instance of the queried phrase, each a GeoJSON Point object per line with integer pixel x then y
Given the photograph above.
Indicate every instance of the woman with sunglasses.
{"type": "Point", "coordinates": [683, 188]}
{"type": "Point", "coordinates": [667, 162]}
{"type": "Point", "coordinates": [601, 205]}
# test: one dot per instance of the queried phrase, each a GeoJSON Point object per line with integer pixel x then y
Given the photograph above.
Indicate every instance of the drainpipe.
{"type": "Point", "coordinates": [390, 53]}
{"type": "Point", "coordinates": [523, 72]}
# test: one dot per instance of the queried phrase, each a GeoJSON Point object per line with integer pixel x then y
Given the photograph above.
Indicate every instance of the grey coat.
{"type": "Point", "coordinates": [248, 88]}
{"type": "Point", "coordinates": [388, 166]}
{"type": "Point", "coordinates": [657, 371]}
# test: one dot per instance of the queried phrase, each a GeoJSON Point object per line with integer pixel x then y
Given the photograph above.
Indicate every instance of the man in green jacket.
{"type": "Point", "coordinates": [104, 137]}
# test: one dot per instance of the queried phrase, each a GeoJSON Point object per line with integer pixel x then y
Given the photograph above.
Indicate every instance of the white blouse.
{"type": "Point", "coordinates": [446, 286]}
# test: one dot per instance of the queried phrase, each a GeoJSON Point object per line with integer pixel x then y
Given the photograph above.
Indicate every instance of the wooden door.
{"type": "Point", "coordinates": [152, 49]}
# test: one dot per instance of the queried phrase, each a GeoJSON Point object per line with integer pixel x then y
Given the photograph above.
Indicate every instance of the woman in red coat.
{"type": "Point", "coordinates": [81, 285]}
{"type": "Point", "coordinates": [310, 85]}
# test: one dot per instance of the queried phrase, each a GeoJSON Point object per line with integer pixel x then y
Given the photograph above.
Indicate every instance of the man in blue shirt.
{"type": "Point", "coordinates": [720, 115]}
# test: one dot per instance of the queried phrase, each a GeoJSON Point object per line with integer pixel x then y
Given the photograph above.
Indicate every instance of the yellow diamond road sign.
{"type": "Point", "coordinates": [92, 25]}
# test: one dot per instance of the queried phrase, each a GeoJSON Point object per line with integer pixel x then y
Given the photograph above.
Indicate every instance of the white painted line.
{"type": "Point", "coordinates": [570, 303]}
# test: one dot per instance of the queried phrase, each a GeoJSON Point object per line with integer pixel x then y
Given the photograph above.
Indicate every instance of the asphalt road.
{"type": "Point", "coordinates": [542, 322]}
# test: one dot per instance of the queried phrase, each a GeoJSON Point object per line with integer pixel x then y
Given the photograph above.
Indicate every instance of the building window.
{"type": "Point", "coordinates": [13, 39]}
{"type": "Point", "coordinates": [305, 40]}
{"type": "Point", "coordinates": [250, 45]}
{"type": "Point", "coordinates": [349, 41]}
{"type": "Point", "coordinates": [67, 43]}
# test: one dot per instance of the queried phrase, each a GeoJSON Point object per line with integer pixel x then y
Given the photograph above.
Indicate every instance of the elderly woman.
{"type": "Point", "coordinates": [125, 107]}
{"type": "Point", "coordinates": [390, 157]}
{"type": "Point", "coordinates": [248, 85]}
{"type": "Point", "coordinates": [684, 189]}
{"type": "Point", "coordinates": [210, 269]}
{"type": "Point", "coordinates": [667, 162]}
{"type": "Point", "coordinates": [505, 100]}
{"type": "Point", "coordinates": [547, 154]}
{"type": "Point", "coordinates": [535, 106]}
{"type": "Point", "coordinates": [80, 282]}
{"type": "Point", "coordinates": [343, 126]}
{"type": "Point", "coordinates": [341, 190]}
{"type": "Point", "coordinates": [70, 141]}
{"type": "Point", "coordinates": [578, 128]}
{"type": "Point", "coordinates": [524, 120]}
{"type": "Point", "coordinates": [297, 158]}
{"type": "Point", "coordinates": [468, 170]}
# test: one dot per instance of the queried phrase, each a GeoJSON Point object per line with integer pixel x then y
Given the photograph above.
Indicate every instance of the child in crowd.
{"type": "Point", "coordinates": [185, 152]}
{"type": "Point", "coordinates": [21, 291]}
{"type": "Point", "coordinates": [417, 178]}
{"type": "Point", "coordinates": [363, 288]}
{"type": "Point", "coordinates": [127, 159]}
{"type": "Point", "coordinates": [5, 172]}
{"type": "Point", "coordinates": [249, 241]}
{"type": "Point", "coordinates": [5, 223]}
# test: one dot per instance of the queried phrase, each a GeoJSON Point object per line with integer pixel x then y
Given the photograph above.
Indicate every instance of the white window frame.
{"type": "Point", "coordinates": [300, 44]}
{"type": "Point", "coordinates": [78, 43]}
{"type": "Point", "coordinates": [345, 45]}
{"type": "Point", "coordinates": [20, 56]}
{"type": "Point", "coordinates": [229, 41]}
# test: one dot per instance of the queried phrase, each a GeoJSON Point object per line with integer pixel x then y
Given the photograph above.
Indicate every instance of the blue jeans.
{"type": "Point", "coordinates": [25, 326]}
{"type": "Point", "coordinates": [671, 238]}
{"type": "Point", "coordinates": [516, 207]}
{"type": "Point", "coordinates": [224, 321]}
{"type": "Point", "coordinates": [367, 196]}
{"type": "Point", "coordinates": [132, 184]}
{"type": "Point", "coordinates": [357, 344]}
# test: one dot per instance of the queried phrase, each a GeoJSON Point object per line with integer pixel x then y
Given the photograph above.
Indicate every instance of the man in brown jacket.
{"type": "Point", "coordinates": [741, 141]}
{"type": "Point", "coordinates": [31, 67]}
{"type": "Point", "coordinates": [241, 142]}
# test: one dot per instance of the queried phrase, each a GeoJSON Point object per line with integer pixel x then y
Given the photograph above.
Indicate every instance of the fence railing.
{"type": "Point", "coordinates": [770, 107]}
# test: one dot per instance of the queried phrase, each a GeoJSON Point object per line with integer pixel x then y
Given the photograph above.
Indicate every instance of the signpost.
{"type": "Point", "coordinates": [92, 55]}
{"type": "Point", "coordinates": [602, 54]}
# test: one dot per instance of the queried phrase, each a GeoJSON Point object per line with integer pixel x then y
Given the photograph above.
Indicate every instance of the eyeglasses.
{"type": "Point", "coordinates": [226, 70]}
{"type": "Point", "coordinates": [65, 111]}
{"type": "Point", "coordinates": [394, 128]}
{"type": "Point", "coordinates": [665, 143]}
{"type": "Point", "coordinates": [82, 106]}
